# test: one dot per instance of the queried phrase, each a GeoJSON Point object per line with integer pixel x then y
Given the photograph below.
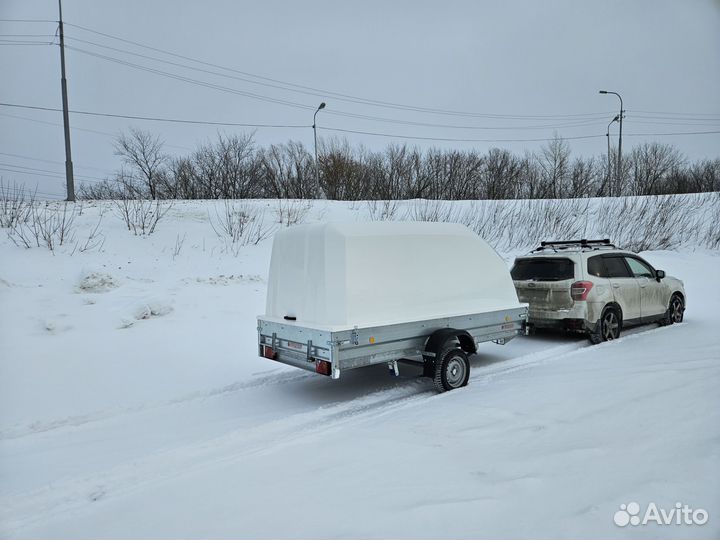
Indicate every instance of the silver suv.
{"type": "Point", "coordinates": [590, 286]}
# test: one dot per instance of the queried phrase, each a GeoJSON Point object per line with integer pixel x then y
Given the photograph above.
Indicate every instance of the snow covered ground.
{"type": "Point", "coordinates": [132, 404]}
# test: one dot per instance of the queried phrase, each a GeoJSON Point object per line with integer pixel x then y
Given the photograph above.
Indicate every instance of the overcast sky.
{"type": "Point", "coordinates": [514, 61]}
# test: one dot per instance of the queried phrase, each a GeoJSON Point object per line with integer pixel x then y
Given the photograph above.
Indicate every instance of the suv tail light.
{"type": "Point", "coordinates": [580, 289]}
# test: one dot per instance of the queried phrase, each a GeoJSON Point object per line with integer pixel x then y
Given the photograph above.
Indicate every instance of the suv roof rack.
{"type": "Point", "coordinates": [582, 244]}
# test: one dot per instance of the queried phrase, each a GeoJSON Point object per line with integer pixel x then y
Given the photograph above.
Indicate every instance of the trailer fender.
{"type": "Point", "coordinates": [439, 339]}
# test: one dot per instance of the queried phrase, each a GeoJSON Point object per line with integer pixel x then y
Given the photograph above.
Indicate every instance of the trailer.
{"type": "Point", "coordinates": [347, 295]}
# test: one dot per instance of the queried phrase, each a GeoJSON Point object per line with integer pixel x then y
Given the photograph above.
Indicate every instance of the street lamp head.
{"type": "Point", "coordinates": [322, 106]}
{"type": "Point", "coordinates": [603, 92]}
{"type": "Point", "coordinates": [617, 117]}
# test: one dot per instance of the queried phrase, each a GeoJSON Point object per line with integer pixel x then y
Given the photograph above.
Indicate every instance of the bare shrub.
{"type": "Point", "coordinates": [94, 240]}
{"type": "Point", "coordinates": [382, 210]}
{"type": "Point", "coordinates": [646, 223]}
{"type": "Point", "coordinates": [141, 216]}
{"type": "Point", "coordinates": [15, 204]}
{"type": "Point", "coordinates": [489, 220]}
{"type": "Point", "coordinates": [291, 211]}
{"type": "Point", "coordinates": [179, 242]}
{"type": "Point", "coordinates": [46, 226]}
{"type": "Point", "coordinates": [240, 224]}
{"type": "Point", "coordinates": [433, 210]}
{"type": "Point", "coordinates": [710, 237]}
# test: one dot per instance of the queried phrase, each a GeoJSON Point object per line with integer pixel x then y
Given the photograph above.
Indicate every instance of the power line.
{"type": "Point", "coordinates": [26, 35]}
{"type": "Point", "coordinates": [678, 113]}
{"type": "Point", "coordinates": [307, 107]}
{"type": "Point", "coordinates": [343, 130]}
{"type": "Point", "coordinates": [74, 128]}
{"type": "Point", "coordinates": [192, 81]}
{"type": "Point", "coordinates": [28, 20]}
{"type": "Point", "coordinates": [32, 158]}
{"type": "Point", "coordinates": [288, 86]}
{"type": "Point", "coordinates": [444, 139]}
{"type": "Point", "coordinates": [571, 123]}
{"type": "Point", "coordinates": [157, 119]}
{"type": "Point", "coordinates": [672, 133]}
{"type": "Point", "coordinates": [10, 42]}
{"type": "Point", "coordinates": [34, 169]}
{"type": "Point", "coordinates": [27, 191]}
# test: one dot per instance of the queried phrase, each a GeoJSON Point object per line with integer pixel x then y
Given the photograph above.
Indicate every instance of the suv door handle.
{"type": "Point", "coordinates": [616, 285]}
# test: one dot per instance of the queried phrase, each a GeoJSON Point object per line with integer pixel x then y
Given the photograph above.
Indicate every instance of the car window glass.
{"type": "Point", "coordinates": [595, 266]}
{"type": "Point", "coordinates": [616, 267]}
{"type": "Point", "coordinates": [543, 269]}
{"type": "Point", "coordinates": [639, 268]}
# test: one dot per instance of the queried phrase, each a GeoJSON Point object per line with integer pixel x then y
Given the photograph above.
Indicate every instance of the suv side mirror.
{"type": "Point", "coordinates": [659, 274]}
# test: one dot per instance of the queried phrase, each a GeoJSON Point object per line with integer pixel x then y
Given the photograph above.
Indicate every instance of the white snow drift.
{"type": "Point", "coordinates": [173, 426]}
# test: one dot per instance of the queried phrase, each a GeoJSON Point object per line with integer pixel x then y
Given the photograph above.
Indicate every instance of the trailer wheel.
{"type": "Point", "coordinates": [452, 369]}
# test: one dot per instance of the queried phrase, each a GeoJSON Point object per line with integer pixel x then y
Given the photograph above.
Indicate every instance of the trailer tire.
{"type": "Point", "coordinates": [452, 369]}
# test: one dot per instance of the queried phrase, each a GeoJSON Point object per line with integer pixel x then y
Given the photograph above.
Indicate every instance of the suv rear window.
{"type": "Point", "coordinates": [539, 269]}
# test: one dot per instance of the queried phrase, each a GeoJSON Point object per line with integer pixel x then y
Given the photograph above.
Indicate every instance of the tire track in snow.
{"type": "Point", "coordinates": [72, 495]}
{"type": "Point", "coordinates": [43, 426]}
{"type": "Point", "coordinates": [75, 495]}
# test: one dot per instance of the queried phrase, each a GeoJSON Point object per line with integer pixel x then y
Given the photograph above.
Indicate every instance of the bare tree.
{"type": "Point", "coordinates": [650, 166]}
{"type": "Point", "coordinates": [143, 153]}
{"type": "Point", "coordinates": [501, 175]}
{"type": "Point", "coordinates": [289, 172]}
{"type": "Point", "coordinates": [554, 162]}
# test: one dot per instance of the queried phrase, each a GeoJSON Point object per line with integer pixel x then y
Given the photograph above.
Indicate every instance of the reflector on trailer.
{"type": "Point", "coordinates": [322, 367]}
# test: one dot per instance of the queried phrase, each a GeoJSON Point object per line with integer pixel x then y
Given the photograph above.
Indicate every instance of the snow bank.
{"type": "Point", "coordinates": [173, 427]}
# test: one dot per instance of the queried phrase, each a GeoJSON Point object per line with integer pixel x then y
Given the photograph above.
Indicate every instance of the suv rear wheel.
{"type": "Point", "coordinates": [608, 327]}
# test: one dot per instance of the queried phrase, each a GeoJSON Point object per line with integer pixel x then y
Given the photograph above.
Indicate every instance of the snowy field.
{"type": "Point", "coordinates": [133, 405]}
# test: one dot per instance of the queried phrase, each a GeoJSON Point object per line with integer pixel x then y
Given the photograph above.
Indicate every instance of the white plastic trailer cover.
{"type": "Point", "coordinates": [336, 276]}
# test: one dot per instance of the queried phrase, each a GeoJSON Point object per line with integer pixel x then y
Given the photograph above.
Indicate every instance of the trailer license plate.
{"type": "Point", "coordinates": [294, 345]}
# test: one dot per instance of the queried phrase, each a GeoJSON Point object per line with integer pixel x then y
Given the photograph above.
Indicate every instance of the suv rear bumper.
{"type": "Point", "coordinates": [571, 325]}
{"type": "Point", "coordinates": [581, 317]}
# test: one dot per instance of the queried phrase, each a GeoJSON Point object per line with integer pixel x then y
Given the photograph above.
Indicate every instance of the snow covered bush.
{"type": "Point", "coordinates": [291, 211]}
{"type": "Point", "coordinates": [141, 216]}
{"type": "Point", "coordinates": [240, 224]}
{"type": "Point", "coordinates": [45, 225]}
{"type": "Point", "coordinates": [382, 210]}
{"type": "Point", "coordinates": [649, 223]}
{"type": "Point", "coordinates": [15, 204]}
{"type": "Point", "coordinates": [432, 210]}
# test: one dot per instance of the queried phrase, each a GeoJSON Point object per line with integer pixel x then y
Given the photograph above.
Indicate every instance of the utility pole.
{"type": "Point", "coordinates": [619, 159]}
{"type": "Point", "coordinates": [317, 175]}
{"type": "Point", "coordinates": [69, 177]}
{"type": "Point", "coordinates": [607, 134]}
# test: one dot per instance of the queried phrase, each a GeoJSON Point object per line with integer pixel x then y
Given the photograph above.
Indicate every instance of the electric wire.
{"type": "Point", "coordinates": [339, 95]}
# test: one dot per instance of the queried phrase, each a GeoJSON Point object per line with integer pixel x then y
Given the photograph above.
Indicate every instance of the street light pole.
{"type": "Point", "coordinates": [69, 177]}
{"type": "Point", "coordinates": [317, 175]}
{"type": "Point", "coordinates": [607, 134]}
{"type": "Point", "coordinates": [622, 112]}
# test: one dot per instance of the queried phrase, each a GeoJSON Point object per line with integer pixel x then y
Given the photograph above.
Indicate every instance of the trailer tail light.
{"type": "Point", "coordinates": [322, 367]}
{"type": "Point", "coordinates": [580, 289]}
{"type": "Point", "coordinates": [269, 353]}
